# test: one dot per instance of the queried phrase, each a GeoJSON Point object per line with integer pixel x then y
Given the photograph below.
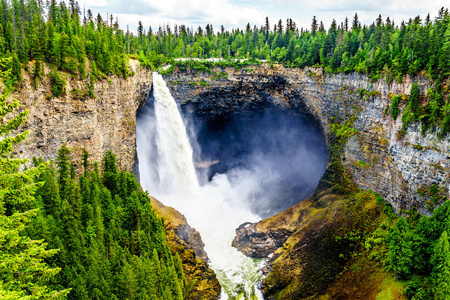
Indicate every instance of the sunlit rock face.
{"type": "Point", "coordinates": [106, 122]}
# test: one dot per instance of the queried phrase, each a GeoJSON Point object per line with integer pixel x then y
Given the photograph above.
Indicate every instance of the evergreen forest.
{"type": "Point", "coordinates": [92, 47]}
{"type": "Point", "coordinates": [68, 233]}
{"type": "Point", "coordinates": [89, 232]}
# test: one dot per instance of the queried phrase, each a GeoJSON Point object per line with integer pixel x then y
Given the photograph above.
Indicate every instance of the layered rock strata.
{"type": "Point", "coordinates": [108, 123]}
{"type": "Point", "coordinates": [377, 156]}
{"type": "Point", "coordinates": [104, 123]}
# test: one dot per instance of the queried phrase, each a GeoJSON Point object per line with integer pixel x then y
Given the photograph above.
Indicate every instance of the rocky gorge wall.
{"type": "Point", "coordinates": [104, 123]}
{"type": "Point", "coordinates": [395, 167]}
{"type": "Point", "coordinates": [376, 156]}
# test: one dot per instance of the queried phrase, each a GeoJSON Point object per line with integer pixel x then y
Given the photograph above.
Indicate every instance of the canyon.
{"type": "Point", "coordinates": [376, 156]}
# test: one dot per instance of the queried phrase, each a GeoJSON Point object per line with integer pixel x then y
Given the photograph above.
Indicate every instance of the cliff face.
{"type": "Point", "coordinates": [186, 241]}
{"type": "Point", "coordinates": [377, 157]}
{"type": "Point", "coordinates": [303, 256]}
{"type": "Point", "coordinates": [104, 123]}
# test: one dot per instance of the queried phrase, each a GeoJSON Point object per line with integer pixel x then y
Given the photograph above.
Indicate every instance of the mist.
{"type": "Point", "coordinates": [280, 154]}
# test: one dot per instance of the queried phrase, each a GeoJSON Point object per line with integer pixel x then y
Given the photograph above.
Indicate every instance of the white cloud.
{"type": "Point", "coordinates": [192, 12]}
{"type": "Point", "coordinates": [237, 13]}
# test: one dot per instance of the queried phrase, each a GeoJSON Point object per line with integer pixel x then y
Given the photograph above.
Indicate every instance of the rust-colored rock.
{"type": "Point", "coordinates": [186, 241]}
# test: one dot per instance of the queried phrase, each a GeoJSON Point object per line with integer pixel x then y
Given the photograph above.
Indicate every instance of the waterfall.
{"type": "Point", "coordinates": [215, 209]}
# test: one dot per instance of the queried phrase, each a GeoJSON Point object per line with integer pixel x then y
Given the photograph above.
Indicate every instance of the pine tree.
{"type": "Point", "coordinates": [413, 101]}
{"type": "Point", "coordinates": [400, 253]}
{"type": "Point", "coordinates": [441, 268]}
{"type": "Point", "coordinates": [355, 23]}
{"type": "Point", "coordinates": [64, 180]}
{"type": "Point", "coordinates": [444, 57]}
{"type": "Point", "coordinates": [23, 271]}
{"type": "Point", "coordinates": [314, 26]}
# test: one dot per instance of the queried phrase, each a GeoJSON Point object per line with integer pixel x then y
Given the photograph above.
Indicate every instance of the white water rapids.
{"type": "Point", "coordinates": [215, 209]}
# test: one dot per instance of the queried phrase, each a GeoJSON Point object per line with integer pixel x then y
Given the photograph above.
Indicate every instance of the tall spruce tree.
{"type": "Point", "coordinates": [23, 270]}
{"type": "Point", "coordinates": [441, 268]}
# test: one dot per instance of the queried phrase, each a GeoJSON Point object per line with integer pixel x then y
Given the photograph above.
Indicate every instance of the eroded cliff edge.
{"type": "Point", "coordinates": [307, 247]}
{"type": "Point", "coordinates": [104, 123]}
{"type": "Point", "coordinates": [376, 157]}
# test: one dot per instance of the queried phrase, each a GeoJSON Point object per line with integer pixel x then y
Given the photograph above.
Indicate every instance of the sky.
{"type": "Point", "coordinates": [237, 13]}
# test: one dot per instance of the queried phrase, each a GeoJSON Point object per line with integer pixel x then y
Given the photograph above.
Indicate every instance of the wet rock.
{"type": "Point", "coordinates": [257, 244]}
{"type": "Point", "coordinates": [186, 241]}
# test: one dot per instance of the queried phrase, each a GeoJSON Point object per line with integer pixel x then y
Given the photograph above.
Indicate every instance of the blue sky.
{"type": "Point", "coordinates": [237, 13]}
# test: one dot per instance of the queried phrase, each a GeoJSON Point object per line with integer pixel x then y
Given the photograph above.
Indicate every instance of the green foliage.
{"type": "Point", "coordinates": [418, 248]}
{"type": "Point", "coordinates": [395, 110]}
{"type": "Point", "coordinates": [363, 93]}
{"type": "Point", "coordinates": [408, 118]}
{"type": "Point", "coordinates": [112, 244]}
{"type": "Point", "coordinates": [90, 88]}
{"type": "Point", "coordinates": [445, 124]}
{"type": "Point", "coordinates": [413, 100]}
{"type": "Point", "coordinates": [441, 270]}
{"type": "Point", "coordinates": [400, 254]}
{"type": "Point", "coordinates": [336, 175]}
{"type": "Point", "coordinates": [342, 133]}
{"type": "Point", "coordinates": [380, 50]}
{"type": "Point", "coordinates": [58, 83]}
{"type": "Point", "coordinates": [433, 196]}
{"type": "Point", "coordinates": [412, 111]}
{"type": "Point", "coordinates": [416, 290]}
{"type": "Point", "coordinates": [24, 273]}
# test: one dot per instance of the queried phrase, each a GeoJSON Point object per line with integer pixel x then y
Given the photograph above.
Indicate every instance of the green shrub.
{"type": "Point", "coordinates": [407, 118]}
{"type": "Point", "coordinates": [413, 101]}
{"type": "Point", "coordinates": [58, 83]}
{"type": "Point", "coordinates": [395, 110]}
{"type": "Point", "coordinates": [445, 123]}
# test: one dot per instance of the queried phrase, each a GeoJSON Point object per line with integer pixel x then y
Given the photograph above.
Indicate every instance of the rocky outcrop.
{"type": "Point", "coordinates": [302, 238]}
{"type": "Point", "coordinates": [377, 157]}
{"type": "Point", "coordinates": [395, 167]}
{"type": "Point", "coordinates": [259, 244]}
{"type": "Point", "coordinates": [186, 241]}
{"type": "Point", "coordinates": [318, 248]}
{"type": "Point", "coordinates": [104, 123]}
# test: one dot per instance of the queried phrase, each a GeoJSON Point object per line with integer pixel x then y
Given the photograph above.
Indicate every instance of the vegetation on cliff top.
{"type": "Point", "coordinates": [85, 45]}
{"type": "Point", "coordinates": [111, 244]}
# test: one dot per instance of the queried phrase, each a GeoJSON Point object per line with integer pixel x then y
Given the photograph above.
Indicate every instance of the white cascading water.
{"type": "Point", "coordinates": [215, 209]}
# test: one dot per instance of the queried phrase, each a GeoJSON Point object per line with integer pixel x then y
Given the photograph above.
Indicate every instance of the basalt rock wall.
{"type": "Point", "coordinates": [395, 167]}
{"type": "Point", "coordinates": [103, 123]}
{"type": "Point", "coordinates": [377, 157]}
